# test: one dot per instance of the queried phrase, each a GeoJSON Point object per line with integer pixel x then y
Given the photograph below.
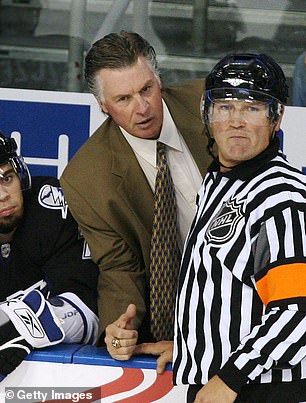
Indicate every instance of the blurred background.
{"type": "Point", "coordinates": [43, 42]}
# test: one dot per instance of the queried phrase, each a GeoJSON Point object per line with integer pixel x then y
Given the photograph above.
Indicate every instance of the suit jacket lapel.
{"type": "Point", "coordinates": [133, 185]}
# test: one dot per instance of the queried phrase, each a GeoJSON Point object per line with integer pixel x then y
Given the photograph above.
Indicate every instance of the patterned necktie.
{"type": "Point", "coordinates": [165, 255]}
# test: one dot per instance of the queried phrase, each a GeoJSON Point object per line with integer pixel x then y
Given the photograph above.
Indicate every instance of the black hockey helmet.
{"type": "Point", "coordinates": [250, 77]}
{"type": "Point", "coordinates": [8, 154]}
{"type": "Point", "coordinates": [255, 72]}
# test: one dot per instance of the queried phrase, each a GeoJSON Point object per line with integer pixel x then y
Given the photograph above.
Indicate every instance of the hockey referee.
{"type": "Point", "coordinates": [240, 320]}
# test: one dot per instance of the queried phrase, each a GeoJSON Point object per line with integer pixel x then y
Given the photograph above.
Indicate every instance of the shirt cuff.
{"type": "Point", "coordinates": [232, 376]}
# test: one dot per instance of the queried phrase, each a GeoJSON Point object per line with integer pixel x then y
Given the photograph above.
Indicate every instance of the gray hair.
{"type": "Point", "coordinates": [115, 51]}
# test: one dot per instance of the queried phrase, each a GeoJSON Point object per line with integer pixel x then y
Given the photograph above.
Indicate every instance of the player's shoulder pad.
{"type": "Point", "coordinates": [50, 194]}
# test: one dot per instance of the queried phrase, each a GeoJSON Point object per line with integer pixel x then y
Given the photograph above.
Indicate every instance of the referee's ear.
{"type": "Point", "coordinates": [278, 123]}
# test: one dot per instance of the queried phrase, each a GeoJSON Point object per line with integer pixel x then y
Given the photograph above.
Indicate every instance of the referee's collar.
{"type": "Point", "coordinates": [248, 168]}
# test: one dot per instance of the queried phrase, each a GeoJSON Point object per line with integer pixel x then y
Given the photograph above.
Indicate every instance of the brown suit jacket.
{"type": "Point", "coordinates": [109, 196]}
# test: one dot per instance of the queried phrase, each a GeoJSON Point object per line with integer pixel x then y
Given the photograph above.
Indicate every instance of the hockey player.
{"type": "Point", "coordinates": [47, 279]}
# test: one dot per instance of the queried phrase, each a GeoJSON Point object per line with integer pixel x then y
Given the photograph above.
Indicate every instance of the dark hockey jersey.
{"type": "Point", "coordinates": [48, 246]}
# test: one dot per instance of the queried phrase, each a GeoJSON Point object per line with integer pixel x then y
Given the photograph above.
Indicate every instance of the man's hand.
{"type": "Point", "coordinates": [215, 391]}
{"type": "Point", "coordinates": [123, 333]}
{"type": "Point", "coordinates": [164, 349]}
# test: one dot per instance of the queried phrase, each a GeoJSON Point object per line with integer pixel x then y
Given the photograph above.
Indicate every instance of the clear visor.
{"type": "Point", "coordinates": [230, 104]}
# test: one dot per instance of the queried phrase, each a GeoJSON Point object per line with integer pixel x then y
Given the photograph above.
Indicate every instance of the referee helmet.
{"type": "Point", "coordinates": [248, 77]}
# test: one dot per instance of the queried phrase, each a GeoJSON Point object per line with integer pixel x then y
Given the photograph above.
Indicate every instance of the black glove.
{"type": "Point", "coordinates": [13, 348]}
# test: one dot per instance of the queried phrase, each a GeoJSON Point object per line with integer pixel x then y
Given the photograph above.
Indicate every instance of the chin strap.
{"type": "Point", "coordinates": [210, 145]}
{"type": "Point", "coordinates": [211, 142]}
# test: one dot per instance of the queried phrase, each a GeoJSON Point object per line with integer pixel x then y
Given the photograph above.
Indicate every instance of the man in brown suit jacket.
{"type": "Point", "coordinates": [108, 184]}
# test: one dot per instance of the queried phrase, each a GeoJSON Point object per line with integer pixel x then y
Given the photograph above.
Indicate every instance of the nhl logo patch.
{"type": "Point", "coordinates": [223, 226]}
{"type": "Point", "coordinates": [5, 250]}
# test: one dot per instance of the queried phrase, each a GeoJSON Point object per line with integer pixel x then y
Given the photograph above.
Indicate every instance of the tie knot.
{"type": "Point", "coordinates": [161, 150]}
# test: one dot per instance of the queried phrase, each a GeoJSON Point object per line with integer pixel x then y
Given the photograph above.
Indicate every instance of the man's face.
{"type": "Point", "coordinates": [241, 130]}
{"type": "Point", "coordinates": [11, 199]}
{"type": "Point", "coordinates": [132, 97]}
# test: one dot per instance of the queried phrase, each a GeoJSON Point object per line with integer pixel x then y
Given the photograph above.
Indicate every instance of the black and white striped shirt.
{"type": "Point", "coordinates": [241, 299]}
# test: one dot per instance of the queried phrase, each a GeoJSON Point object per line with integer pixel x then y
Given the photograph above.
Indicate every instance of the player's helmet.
{"type": "Point", "coordinates": [8, 154]}
{"type": "Point", "coordinates": [246, 77]}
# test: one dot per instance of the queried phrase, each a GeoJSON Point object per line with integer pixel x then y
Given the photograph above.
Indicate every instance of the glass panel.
{"type": "Point", "coordinates": [190, 36]}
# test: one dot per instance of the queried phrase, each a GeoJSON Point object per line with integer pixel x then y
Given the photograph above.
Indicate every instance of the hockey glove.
{"type": "Point", "coordinates": [26, 323]}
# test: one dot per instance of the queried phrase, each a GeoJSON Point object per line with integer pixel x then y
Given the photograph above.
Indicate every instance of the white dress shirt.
{"type": "Point", "coordinates": [184, 171]}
